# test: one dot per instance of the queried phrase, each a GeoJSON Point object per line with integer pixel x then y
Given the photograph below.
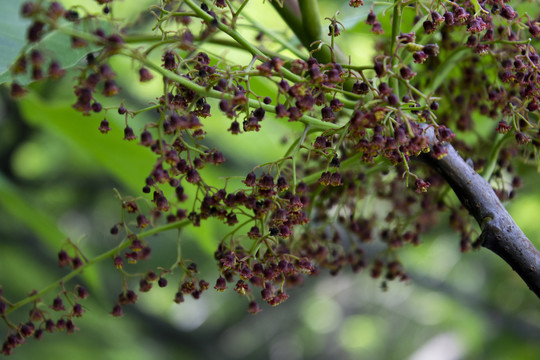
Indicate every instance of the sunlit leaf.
{"type": "Point", "coordinates": [352, 17]}
{"type": "Point", "coordinates": [127, 161]}
{"type": "Point", "coordinates": [12, 39]}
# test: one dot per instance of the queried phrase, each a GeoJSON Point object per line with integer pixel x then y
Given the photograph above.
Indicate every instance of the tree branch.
{"type": "Point", "coordinates": [500, 233]}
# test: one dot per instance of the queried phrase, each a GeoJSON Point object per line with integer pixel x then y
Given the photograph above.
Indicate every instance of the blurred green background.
{"type": "Point", "coordinates": [57, 175]}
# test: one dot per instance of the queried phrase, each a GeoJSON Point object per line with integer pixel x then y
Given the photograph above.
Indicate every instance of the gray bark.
{"type": "Point", "coordinates": [500, 233]}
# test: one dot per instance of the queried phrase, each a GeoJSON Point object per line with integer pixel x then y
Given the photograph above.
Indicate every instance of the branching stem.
{"type": "Point", "coordinates": [106, 255]}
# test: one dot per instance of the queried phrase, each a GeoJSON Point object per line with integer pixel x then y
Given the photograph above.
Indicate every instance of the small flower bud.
{"type": "Point", "coordinates": [221, 284]}
{"type": "Point", "coordinates": [58, 304]}
{"type": "Point", "coordinates": [129, 134]}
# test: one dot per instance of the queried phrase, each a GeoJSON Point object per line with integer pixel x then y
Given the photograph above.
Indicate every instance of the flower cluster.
{"type": "Point", "coordinates": [40, 318]}
{"type": "Point", "coordinates": [364, 127]}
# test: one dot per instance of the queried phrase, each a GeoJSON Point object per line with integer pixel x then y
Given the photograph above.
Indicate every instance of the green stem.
{"type": "Point", "coordinates": [134, 113]}
{"type": "Point", "coordinates": [351, 162]}
{"type": "Point", "coordinates": [290, 13]}
{"type": "Point", "coordinates": [444, 69]}
{"type": "Point", "coordinates": [507, 42]}
{"type": "Point", "coordinates": [224, 28]}
{"type": "Point", "coordinates": [410, 87]}
{"type": "Point", "coordinates": [142, 38]}
{"type": "Point", "coordinates": [358, 68]}
{"type": "Point", "coordinates": [238, 38]}
{"type": "Point", "coordinates": [293, 156]}
{"type": "Point", "coordinates": [294, 145]}
{"type": "Point", "coordinates": [219, 95]}
{"type": "Point", "coordinates": [305, 23]}
{"type": "Point", "coordinates": [210, 92]}
{"type": "Point", "coordinates": [242, 6]}
{"type": "Point", "coordinates": [99, 258]}
{"type": "Point", "coordinates": [311, 19]}
{"type": "Point", "coordinates": [494, 155]}
{"type": "Point", "coordinates": [396, 27]}
{"type": "Point", "coordinates": [159, 41]}
{"type": "Point", "coordinates": [278, 39]}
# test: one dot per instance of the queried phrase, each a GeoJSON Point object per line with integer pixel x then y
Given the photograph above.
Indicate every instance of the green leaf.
{"type": "Point", "coordinates": [353, 17]}
{"type": "Point", "coordinates": [129, 162]}
{"type": "Point", "coordinates": [57, 45]}
{"type": "Point", "coordinates": [477, 7]}
{"type": "Point", "coordinates": [13, 30]}
{"type": "Point", "coordinates": [12, 35]}
{"type": "Point", "coordinates": [444, 69]}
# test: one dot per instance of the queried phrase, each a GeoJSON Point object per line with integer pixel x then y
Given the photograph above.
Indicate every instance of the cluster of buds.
{"type": "Point", "coordinates": [359, 122]}
{"type": "Point", "coordinates": [41, 320]}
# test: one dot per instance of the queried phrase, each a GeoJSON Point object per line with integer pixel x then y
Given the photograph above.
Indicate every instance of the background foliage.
{"type": "Point", "coordinates": [57, 178]}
